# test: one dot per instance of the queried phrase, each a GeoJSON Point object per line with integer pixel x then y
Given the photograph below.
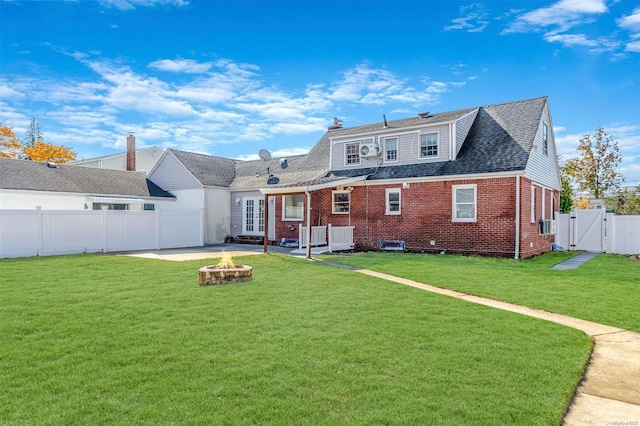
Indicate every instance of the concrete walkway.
{"type": "Point", "coordinates": [610, 389]}
{"type": "Point", "coordinates": [576, 261]}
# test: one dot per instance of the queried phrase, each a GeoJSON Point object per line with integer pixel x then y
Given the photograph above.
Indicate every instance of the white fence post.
{"type": "Point", "coordinates": [39, 235]}
{"type": "Point", "coordinates": [330, 238]}
{"type": "Point", "coordinates": [157, 228]}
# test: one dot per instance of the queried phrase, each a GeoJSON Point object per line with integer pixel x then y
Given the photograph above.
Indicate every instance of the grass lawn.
{"type": "Point", "coordinates": [99, 339]}
{"type": "Point", "coordinates": [606, 289]}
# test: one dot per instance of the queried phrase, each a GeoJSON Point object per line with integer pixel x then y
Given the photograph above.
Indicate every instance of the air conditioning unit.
{"type": "Point", "coordinates": [368, 150]}
{"type": "Point", "coordinates": [547, 227]}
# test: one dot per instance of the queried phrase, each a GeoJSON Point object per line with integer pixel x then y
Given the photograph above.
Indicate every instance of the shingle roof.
{"type": "Point", "coordinates": [35, 176]}
{"type": "Point", "coordinates": [208, 169]}
{"type": "Point", "coordinates": [499, 140]}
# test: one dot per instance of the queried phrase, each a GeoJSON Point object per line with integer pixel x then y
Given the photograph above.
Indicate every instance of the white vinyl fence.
{"type": "Point", "coordinates": [593, 230]}
{"type": "Point", "coordinates": [38, 232]}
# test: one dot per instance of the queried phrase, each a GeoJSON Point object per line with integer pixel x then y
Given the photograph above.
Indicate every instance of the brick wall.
{"type": "Point", "coordinates": [426, 216]}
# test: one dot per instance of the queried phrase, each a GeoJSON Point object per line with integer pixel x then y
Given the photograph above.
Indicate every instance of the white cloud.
{"type": "Point", "coordinates": [475, 19]}
{"type": "Point", "coordinates": [631, 22]}
{"type": "Point", "coordinates": [188, 66]}
{"type": "Point", "coordinates": [562, 15]}
{"type": "Point", "coordinates": [132, 4]}
{"type": "Point", "coordinates": [571, 39]}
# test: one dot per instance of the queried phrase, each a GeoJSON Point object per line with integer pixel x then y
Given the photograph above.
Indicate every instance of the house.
{"type": "Point", "coordinates": [28, 184]}
{"type": "Point", "coordinates": [140, 160]}
{"type": "Point", "coordinates": [482, 180]}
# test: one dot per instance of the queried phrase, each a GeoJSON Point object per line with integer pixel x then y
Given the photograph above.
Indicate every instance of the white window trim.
{"type": "Point", "coordinates": [387, 207]}
{"type": "Point", "coordinates": [454, 217]}
{"type": "Point", "coordinates": [284, 207]}
{"type": "Point", "coordinates": [428, 157]}
{"type": "Point", "coordinates": [384, 144]}
{"type": "Point", "coordinates": [544, 207]}
{"type": "Point", "coordinates": [552, 206]}
{"type": "Point", "coordinates": [533, 204]}
{"type": "Point", "coordinates": [346, 163]}
{"type": "Point", "coordinates": [333, 205]}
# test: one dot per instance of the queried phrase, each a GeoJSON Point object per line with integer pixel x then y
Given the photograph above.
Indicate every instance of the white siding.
{"type": "Point", "coordinates": [237, 215]}
{"type": "Point", "coordinates": [463, 125]}
{"type": "Point", "coordinates": [218, 216]}
{"type": "Point", "coordinates": [10, 199]}
{"type": "Point", "coordinates": [146, 159]}
{"type": "Point", "coordinates": [542, 168]}
{"type": "Point", "coordinates": [408, 148]}
{"type": "Point", "coordinates": [170, 174]}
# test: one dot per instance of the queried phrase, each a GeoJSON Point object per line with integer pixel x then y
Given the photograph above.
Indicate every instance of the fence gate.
{"type": "Point", "coordinates": [587, 230]}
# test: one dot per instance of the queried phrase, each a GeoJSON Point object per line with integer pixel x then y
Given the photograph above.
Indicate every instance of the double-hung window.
{"type": "Point", "coordinates": [391, 149]}
{"type": "Point", "coordinates": [352, 153]}
{"type": "Point", "coordinates": [341, 202]}
{"type": "Point", "coordinates": [293, 207]}
{"type": "Point", "coordinates": [465, 204]}
{"type": "Point", "coordinates": [392, 196]}
{"type": "Point", "coordinates": [429, 145]}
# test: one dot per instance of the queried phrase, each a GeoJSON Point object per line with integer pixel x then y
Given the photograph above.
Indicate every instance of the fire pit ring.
{"type": "Point", "coordinates": [212, 274]}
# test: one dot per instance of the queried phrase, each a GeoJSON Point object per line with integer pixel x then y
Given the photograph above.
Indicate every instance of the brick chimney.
{"type": "Point", "coordinates": [337, 124]}
{"type": "Point", "coordinates": [131, 153]}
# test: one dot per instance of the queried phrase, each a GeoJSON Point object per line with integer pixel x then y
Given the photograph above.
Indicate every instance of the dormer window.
{"type": "Point", "coordinates": [391, 149]}
{"type": "Point", "coordinates": [352, 153]}
{"type": "Point", "coordinates": [429, 145]}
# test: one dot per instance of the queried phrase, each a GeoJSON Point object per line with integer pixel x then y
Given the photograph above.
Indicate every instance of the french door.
{"type": "Point", "coordinates": [253, 216]}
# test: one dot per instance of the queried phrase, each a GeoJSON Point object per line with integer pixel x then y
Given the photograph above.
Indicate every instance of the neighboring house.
{"type": "Point", "coordinates": [28, 184]}
{"type": "Point", "coordinates": [140, 160]}
{"type": "Point", "coordinates": [482, 180]}
{"type": "Point", "coordinates": [199, 182]}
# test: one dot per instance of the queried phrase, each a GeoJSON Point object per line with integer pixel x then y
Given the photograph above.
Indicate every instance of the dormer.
{"type": "Point", "coordinates": [421, 139]}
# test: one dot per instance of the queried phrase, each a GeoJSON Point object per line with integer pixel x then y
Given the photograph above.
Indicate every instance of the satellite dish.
{"type": "Point", "coordinates": [264, 155]}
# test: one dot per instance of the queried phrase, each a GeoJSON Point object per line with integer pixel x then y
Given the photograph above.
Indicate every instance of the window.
{"type": "Point", "coordinates": [545, 140]}
{"type": "Point", "coordinates": [429, 145]}
{"type": "Point", "coordinates": [352, 153]}
{"type": "Point", "coordinates": [148, 206]}
{"type": "Point", "coordinates": [464, 203]}
{"type": "Point", "coordinates": [106, 206]}
{"type": "Point", "coordinates": [391, 149]}
{"type": "Point", "coordinates": [393, 201]}
{"type": "Point", "coordinates": [533, 204]}
{"type": "Point", "coordinates": [341, 200]}
{"type": "Point", "coordinates": [293, 207]}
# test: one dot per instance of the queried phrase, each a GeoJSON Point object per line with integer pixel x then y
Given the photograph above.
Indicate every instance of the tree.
{"type": "Point", "coordinates": [596, 170]}
{"type": "Point", "coordinates": [33, 134]}
{"type": "Point", "coordinates": [9, 145]}
{"type": "Point", "coordinates": [42, 151]}
{"type": "Point", "coordinates": [626, 202]}
{"type": "Point", "coordinates": [566, 195]}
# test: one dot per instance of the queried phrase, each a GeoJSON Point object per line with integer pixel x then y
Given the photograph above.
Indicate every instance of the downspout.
{"type": "Point", "coordinates": [266, 223]}
{"type": "Point", "coordinates": [517, 249]}
{"type": "Point", "coordinates": [308, 224]}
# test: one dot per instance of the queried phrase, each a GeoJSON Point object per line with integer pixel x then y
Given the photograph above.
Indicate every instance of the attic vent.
{"type": "Point", "coordinates": [424, 114]}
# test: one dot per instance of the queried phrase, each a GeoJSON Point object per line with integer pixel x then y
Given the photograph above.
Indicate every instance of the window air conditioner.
{"type": "Point", "coordinates": [547, 227]}
{"type": "Point", "coordinates": [368, 150]}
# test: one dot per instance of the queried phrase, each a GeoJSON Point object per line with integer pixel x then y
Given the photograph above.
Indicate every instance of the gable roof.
{"type": "Point", "coordinates": [500, 140]}
{"type": "Point", "coordinates": [35, 176]}
{"type": "Point", "coordinates": [209, 170]}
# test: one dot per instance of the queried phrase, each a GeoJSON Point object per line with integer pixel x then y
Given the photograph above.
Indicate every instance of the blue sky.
{"type": "Point", "coordinates": [231, 78]}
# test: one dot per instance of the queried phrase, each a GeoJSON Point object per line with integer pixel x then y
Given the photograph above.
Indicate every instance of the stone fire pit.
{"type": "Point", "coordinates": [225, 272]}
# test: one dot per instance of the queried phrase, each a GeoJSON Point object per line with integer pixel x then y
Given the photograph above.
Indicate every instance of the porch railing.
{"type": "Point", "coordinates": [333, 237]}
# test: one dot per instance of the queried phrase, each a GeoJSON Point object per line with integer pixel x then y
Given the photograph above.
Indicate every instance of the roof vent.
{"type": "Point", "coordinates": [52, 165]}
{"type": "Point", "coordinates": [424, 114]}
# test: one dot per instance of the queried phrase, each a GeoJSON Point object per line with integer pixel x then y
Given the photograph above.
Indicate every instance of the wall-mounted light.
{"type": "Point", "coordinates": [238, 201]}
{"type": "Point", "coordinates": [86, 207]}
